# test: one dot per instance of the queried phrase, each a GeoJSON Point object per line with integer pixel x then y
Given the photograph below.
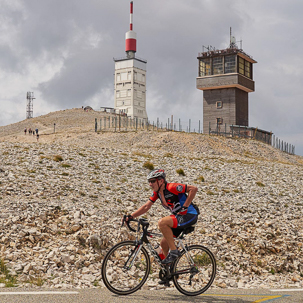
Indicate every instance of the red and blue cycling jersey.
{"type": "Point", "coordinates": [175, 197]}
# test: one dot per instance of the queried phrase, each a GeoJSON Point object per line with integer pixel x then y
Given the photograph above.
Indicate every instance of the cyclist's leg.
{"type": "Point", "coordinates": [165, 225]}
{"type": "Point", "coordinates": [164, 246]}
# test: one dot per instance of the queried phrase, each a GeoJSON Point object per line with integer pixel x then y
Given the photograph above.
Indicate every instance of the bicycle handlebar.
{"type": "Point", "coordinates": [127, 222]}
{"type": "Point", "coordinates": [141, 221]}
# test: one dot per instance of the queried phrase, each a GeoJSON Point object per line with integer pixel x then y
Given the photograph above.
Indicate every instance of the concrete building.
{"type": "Point", "coordinates": [226, 78]}
{"type": "Point", "coordinates": [130, 79]}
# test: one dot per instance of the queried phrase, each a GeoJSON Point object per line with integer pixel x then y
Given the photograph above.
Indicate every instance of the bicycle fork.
{"type": "Point", "coordinates": [132, 256]}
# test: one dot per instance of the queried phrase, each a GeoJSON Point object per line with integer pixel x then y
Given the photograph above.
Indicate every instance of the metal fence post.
{"type": "Point", "coordinates": [96, 124]}
{"type": "Point", "coordinates": [199, 126]}
{"type": "Point", "coordinates": [189, 125]}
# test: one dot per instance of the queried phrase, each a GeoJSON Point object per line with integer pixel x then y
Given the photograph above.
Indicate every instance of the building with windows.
{"type": "Point", "coordinates": [226, 78]}
{"type": "Point", "coordinates": [130, 80]}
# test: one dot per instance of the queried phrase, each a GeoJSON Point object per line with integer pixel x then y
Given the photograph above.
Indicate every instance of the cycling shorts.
{"type": "Point", "coordinates": [181, 222]}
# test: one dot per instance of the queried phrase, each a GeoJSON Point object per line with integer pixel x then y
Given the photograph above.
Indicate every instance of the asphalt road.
{"type": "Point", "coordinates": [18, 295]}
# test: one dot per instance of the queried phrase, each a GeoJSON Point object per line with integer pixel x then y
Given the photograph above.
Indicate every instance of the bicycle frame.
{"type": "Point", "coordinates": [143, 239]}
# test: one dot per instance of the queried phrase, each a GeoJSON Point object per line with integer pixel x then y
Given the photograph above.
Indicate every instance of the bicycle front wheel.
{"type": "Point", "coordinates": [195, 270]}
{"type": "Point", "coordinates": [125, 268]}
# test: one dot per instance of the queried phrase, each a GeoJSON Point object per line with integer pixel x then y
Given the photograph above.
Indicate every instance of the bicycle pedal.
{"type": "Point", "coordinates": [164, 283]}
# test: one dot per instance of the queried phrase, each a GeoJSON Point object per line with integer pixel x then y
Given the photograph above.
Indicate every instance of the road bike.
{"type": "Point", "coordinates": [127, 265]}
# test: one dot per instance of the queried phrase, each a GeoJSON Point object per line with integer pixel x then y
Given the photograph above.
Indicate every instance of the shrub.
{"type": "Point", "coordinates": [201, 178]}
{"type": "Point", "coordinates": [65, 165]}
{"type": "Point", "coordinates": [168, 155]}
{"type": "Point", "coordinates": [180, 171]}
{"type": "Point", "coordinates": [6, 277]}
{"type": "Point", "coordinates": [58, 158]}
{"type": "Point", "coordinates": [148, 165]}
{"type": "Point", "coordinates": [260, 184]}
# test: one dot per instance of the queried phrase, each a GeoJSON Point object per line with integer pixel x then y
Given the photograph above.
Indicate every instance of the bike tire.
{"type": "Point", "coordinates": [203, 270]}
{"type": "Point", "coordinates": [120, 280]}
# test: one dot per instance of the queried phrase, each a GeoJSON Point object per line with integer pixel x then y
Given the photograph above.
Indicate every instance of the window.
{"type": "Point", "coordinates": [123, 76]}
{"type": "Point", "coordinates": [123, 93]}
{"type": "Point", "coordinates": [219, 104]}
{"type": "Point", "coordinates": [219, 121]}
{"type": "Point", "coordinates": [217, 65]}
{"type": "Point", "coordinates": [241, 66]}
{"type": "Point", "coordinates": [230, 64]}
{"type": "Point", "coordinates": [204, 68]}
{"type": "Point", "coordinates": [247, 69]}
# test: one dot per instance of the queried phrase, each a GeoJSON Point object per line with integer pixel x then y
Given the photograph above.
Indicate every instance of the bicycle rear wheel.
{"type": "Point", "coordinates": [195, 269]}
{"type": "Point", "coordinates": [124, 269]}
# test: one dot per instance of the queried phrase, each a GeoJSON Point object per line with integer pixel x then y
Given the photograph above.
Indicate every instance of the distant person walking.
{"type": "Point", "coordinates": [25, 130]}
{"type": "Point", "coordinates": [36, 131]}
{"type": "Point", "coordinates": [37, 137]}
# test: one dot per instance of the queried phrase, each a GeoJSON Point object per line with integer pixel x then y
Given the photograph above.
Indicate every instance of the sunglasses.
{"type": "Point", "coordinates": [152, 181]}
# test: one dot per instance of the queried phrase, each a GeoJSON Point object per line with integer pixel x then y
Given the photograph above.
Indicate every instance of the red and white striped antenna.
{"type": "Point", "coordinates": [131, 37]}
{"type": "Point", "coordinates": [131, 16]}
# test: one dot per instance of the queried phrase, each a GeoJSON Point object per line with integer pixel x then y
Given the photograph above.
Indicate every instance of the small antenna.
{"type": "Point", "coordinates": [29, 105]}
{"type": "Point", "coordinates": [230, 36]}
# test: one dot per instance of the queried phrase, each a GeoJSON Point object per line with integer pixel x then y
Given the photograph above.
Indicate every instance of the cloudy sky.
{"type": "Point", "coordinates": [62, 50]}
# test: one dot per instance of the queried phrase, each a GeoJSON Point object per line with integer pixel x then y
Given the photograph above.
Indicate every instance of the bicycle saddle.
{"type": "Point", "coordinates": [188, 230]}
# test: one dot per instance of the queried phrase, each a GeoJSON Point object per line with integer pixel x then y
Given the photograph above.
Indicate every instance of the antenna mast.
{"type": "Point", "coordinates": [29, 105]}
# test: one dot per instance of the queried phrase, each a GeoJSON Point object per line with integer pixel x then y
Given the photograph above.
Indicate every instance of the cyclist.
{"type": "Point", "coordinates": [184, 213]}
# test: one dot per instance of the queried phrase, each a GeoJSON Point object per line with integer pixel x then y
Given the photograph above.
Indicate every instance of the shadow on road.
{"type": "Point", "coordinates": [172, 297]}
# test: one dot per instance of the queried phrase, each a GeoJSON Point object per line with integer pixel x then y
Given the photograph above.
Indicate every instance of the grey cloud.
{"type": "Point", "coordinates": [169, 35]}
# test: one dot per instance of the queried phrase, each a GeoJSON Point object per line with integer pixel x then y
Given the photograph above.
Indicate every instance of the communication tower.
{"type": "Point", "coordinates": [130, 79]}
{"type": "Point", "coordinates": [226, 78]}
{"type": "Point", "coordinates": [29, 105]}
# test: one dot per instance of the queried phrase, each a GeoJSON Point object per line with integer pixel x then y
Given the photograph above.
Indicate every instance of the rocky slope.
{"type": "Point", "coordinates": [62, 198]}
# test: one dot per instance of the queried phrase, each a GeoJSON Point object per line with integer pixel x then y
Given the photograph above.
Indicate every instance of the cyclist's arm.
{"type": "Point", "coordinates": [191, 190]}
{"type": "Point", "coordinates": [143, 209]}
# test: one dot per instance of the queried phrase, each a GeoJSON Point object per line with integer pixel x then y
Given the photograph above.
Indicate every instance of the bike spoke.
{"type": "Point", "coordinates": [125, 270]}
{"type": "Point", "coordinates": [196, 270]}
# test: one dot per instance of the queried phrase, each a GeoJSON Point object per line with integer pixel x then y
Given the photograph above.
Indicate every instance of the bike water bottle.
{"type": "Point", "coordinates": [160, 252]}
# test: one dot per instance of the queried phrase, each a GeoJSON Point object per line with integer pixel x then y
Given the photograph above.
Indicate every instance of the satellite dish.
{"type": "Point", "coordinates": [233, 39]}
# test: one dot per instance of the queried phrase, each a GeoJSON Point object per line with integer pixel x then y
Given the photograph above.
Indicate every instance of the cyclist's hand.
{"type": "Point", "coordinates": [183, 211]}
{"type": "Point", "coordinates": [128, 218]}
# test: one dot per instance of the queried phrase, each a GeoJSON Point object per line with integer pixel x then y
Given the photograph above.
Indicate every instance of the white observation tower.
{"type": "Point", "coordinates": [130, 79]}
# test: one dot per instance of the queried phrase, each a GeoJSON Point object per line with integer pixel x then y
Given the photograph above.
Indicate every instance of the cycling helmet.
{"type": "Point", "coordinates": [157, 173]}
